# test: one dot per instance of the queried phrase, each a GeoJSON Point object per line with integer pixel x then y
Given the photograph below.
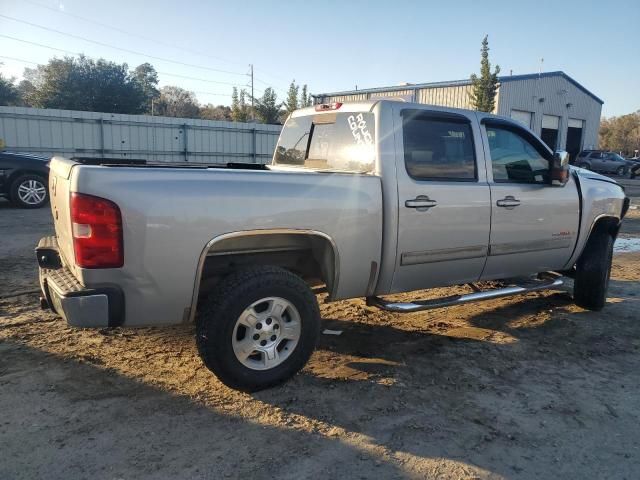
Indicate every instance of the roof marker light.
{"type": "Point", "coordinates": [323, 107]}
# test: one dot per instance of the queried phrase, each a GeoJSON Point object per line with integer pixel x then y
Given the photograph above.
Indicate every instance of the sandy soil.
{"type": "Point", "coordinates": [526, 387]}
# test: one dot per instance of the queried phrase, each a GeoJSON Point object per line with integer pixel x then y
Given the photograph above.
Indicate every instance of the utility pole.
{"type": "Point", "coordinates": [251, 66]}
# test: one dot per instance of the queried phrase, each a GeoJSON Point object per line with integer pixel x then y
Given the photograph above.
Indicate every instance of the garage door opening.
{"type": "Point", "coordinates": [549, 133]}
{"type": "Point", "coordinates": [522, 116]}
{"type": "Point", "coordinates": [574, 138]}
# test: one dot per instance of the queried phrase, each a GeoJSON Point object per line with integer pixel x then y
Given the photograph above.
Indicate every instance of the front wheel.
{"type": "Point", "coordinates": [621, 171]}
{"type": "Point", "coordinates": [259, 328]}
{"type": "Point", "coordinates": [593, 270]}
{"type": "Point", "coordinates": [584, 165]}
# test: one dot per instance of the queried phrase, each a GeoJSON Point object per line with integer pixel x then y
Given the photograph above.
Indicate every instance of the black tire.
{"type": "Point", "coordinates": [593, 270]}
{"type": "Point", "coordinates": [217, 316]}
{"type": "Point", "coordinates": [584, 165]}
{"type": "Point", "coordinates": [621, 171]}
{"type": "Point", "coordinates": [25, 180]}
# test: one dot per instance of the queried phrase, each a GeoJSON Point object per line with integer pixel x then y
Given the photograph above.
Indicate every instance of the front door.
{"type": "Point", "coordinates": [534, 225]}
{"type": "Point", "coordinates": [444, 205]}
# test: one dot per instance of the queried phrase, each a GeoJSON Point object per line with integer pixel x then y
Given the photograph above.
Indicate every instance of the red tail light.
{"type": "Point", "coordinates": [97, 232]}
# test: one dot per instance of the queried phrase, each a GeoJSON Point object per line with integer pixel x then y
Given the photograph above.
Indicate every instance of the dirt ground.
{"type": "Point", "coordinates": [525, 387]}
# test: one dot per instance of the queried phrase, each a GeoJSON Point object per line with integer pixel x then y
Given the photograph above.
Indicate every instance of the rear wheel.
{"type": "Point", "coordinates": [593, 270]}
{"type": "Point", "coordinates": [621, 171]}
{"type": "Point", "coordinates": [584, 165]}
{"type": "Point", "coordinates": [259, 328]}
{"type": "Point", "coordinates": [29, 191]}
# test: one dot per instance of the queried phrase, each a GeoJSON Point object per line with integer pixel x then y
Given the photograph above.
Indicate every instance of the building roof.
{"type": "Point", "coordinates": [457, 83]}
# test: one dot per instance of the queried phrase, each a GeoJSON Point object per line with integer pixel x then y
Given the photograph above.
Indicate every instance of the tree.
{"type": "Point", "coordinates": [485, 87]}
{"type": "Point", "coordinates": [221, 112]}
{"type": "Point", "coordinates": [147, 78]}
{"type": "Point", "coordinates": [25, 91]}
{"type": "Point", "coordinates": [177, 102]}
{"type": "Point", "coordinates": [621, 134]}
{"type": "Point", "coordinates": [84, 84]}
{"type": "Point", "coordinates": [291, 103]}
{"type": "Point", "coordinates": [305, 97]}
{"type": "Point", "coordinates": [9, 94]}
{"type": "Point", "coordinates": [239, 108]}
{"type": "Point", "coordinates": [266, 107]}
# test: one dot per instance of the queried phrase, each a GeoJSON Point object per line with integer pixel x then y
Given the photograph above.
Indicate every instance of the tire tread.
{"type": "Point", "coordinates": [216, 308]}
{"type": "Point", "coordinates": [592, 272]}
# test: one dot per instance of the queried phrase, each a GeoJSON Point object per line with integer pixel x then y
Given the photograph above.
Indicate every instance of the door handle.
{"type": "Point", "coordinates": [509, 202]}
{"type": "Point", "coordinates": [421, 202]}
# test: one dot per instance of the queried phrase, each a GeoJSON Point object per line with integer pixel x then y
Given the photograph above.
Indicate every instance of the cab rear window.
{"type": "Point", "coordinates": [331, 142]}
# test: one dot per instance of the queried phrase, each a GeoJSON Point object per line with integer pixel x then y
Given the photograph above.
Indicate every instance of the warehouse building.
{"type": "Point", "coordinates": [556, 107]}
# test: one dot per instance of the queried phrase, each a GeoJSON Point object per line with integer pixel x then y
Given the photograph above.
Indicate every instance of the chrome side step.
{"type": "Point", "coordinates": [549, 281]}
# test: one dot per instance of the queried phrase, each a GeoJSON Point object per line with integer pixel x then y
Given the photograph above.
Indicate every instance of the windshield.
{"type": "Point", "coordinates": [332, 141]}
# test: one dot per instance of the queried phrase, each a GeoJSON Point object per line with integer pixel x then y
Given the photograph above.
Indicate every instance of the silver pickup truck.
{"type": "Point", "coordinates": [361, 200]}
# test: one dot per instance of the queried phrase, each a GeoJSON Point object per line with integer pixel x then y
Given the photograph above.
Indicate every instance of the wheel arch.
{"type": "Point", "coordinates": [279, 247]}
{"type": "Point", "coordinates": [15, 174]}
{"type": "Point", "coordinates": [584, 162]}
{"type": "Point", "coordinates": [605, 223]}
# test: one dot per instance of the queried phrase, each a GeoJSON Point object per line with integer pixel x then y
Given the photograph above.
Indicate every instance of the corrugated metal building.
{"type": "Point", "coordinates": [159, 139]}
{"type": "Point", "coordinates": [556, 107]}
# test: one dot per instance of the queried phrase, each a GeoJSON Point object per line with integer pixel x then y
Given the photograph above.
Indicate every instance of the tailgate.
{"type": "Point", "coordinates": [59, 188]}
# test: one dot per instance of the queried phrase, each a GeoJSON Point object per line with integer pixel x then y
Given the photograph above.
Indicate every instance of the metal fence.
{"type": "Point", "coordinates": [159, 139]}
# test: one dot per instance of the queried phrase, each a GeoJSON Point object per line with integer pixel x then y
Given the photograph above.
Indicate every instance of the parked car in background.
{"type": "Point", "coordinates": [634, 170]}
{"type": "Point", "coordinates": [24, 179]}
{"type": "Point", "coordinates": [603, 161]}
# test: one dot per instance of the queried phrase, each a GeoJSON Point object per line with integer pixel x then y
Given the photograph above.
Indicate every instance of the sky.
{"type": "Point", "coordinates": [207, 46]}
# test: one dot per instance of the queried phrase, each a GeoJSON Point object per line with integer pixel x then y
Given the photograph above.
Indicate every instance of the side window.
{"type": "Point", "coordinates": [514, 159]}
{"type": "Point", "coordinates": [438, 149]}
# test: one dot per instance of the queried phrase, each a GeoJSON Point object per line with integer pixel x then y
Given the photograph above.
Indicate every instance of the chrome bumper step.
{"type": "Point", "coordinates": [546, 282]}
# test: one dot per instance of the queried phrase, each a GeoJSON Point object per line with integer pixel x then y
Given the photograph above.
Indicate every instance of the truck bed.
{"type": "Point", "coordinates": [171, 212]}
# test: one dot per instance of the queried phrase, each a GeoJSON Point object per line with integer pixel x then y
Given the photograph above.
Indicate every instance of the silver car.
{"type": "Point", "coordinates": [602, 161]}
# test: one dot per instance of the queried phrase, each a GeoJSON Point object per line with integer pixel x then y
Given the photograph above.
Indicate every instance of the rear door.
{"type": "Point", "coordinates": [533, 224]}
{"type": "Point", "coordinates": [444, 205]}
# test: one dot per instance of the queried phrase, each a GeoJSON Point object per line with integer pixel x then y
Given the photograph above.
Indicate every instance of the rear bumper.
{"type": "Point", "coordinates": [80, 306]}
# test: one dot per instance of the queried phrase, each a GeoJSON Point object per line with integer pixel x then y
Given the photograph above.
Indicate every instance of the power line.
{"type": "Point", "coordinates": [188, 77]}
{"type": "Point", "coordinates": [18, 60]}
{"type": "Point", "coordinates": [73, 53]}
{"type": "Point", "coordinates": [134, 52]}
{"type": "Point", "coordinates": [161, 73]}
{"type": "Point", "coordinates": [202, 79]}
{"type": "Point", "coordinates": [154, 40]}
{"type": "Point", "coordinates": [211, 93]}
{"type": "Point", "coordinates": [133, 34]}
{"type": "Point", "coordinates": [38, 44]}
{"type": "Point", "coordinates": [274, 77]}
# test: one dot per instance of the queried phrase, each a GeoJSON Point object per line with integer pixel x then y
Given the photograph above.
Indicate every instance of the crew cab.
{"type": "Point", "coordinates": [361, 200]}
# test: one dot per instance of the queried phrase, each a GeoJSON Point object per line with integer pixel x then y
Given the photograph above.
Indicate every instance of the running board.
{"type": "Point", "coordinates": [551, 281]}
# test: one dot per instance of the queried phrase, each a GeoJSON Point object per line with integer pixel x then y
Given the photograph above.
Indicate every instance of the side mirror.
{"type": "Point", "coordinates": [560, 169]}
